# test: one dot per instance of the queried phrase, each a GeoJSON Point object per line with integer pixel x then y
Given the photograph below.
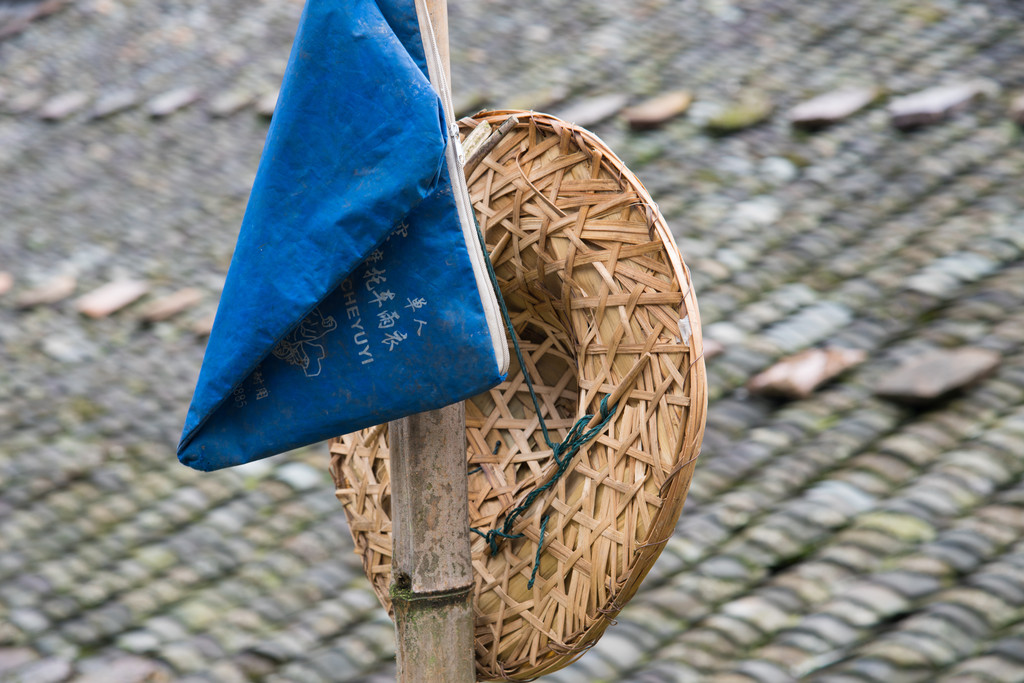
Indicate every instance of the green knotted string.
{"type": "Point", "coordinates": [562, 452]}
{"type": "Point", "coordinates": [536, 560]}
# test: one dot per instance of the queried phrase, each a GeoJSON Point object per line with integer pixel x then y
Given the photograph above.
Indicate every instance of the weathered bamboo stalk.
{"type": "Point", "coordinates": [433, 575]}
{"type": "Point", "coordinates": [432, 591]}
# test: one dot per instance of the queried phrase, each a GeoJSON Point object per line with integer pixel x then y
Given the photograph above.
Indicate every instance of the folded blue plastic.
{"type": "Point", "coordinates": [357, 293]}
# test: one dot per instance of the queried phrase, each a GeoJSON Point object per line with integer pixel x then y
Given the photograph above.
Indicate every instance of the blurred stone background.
{"type": "Point", "coordinates": [867, 527]}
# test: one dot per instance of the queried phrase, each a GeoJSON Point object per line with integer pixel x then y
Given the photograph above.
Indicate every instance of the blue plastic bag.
{"type": "Point", "coordinates": [357, 293]}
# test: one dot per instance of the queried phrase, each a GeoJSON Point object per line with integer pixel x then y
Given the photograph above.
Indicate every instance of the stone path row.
{"type": "Point", "coordinates": [843, 535]}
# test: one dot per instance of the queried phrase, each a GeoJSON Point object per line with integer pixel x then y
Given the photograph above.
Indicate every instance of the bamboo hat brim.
{"type": "Point", "coordinates": [603, 306]}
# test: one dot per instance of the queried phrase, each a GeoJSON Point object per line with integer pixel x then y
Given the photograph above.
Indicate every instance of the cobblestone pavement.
{"type": "Point", "coordinates": [838, 537]}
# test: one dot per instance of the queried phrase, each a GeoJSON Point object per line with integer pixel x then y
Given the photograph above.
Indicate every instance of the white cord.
{"type": "Point", "coordinates": [445, 91]}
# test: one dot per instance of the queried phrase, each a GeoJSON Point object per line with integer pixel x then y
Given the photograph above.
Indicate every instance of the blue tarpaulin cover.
{"type": "Point", "coordinates": [355, 294]}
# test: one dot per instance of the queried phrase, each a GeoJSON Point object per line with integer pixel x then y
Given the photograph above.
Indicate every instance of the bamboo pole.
{"type": "Point", "coordinates": [432, 589]}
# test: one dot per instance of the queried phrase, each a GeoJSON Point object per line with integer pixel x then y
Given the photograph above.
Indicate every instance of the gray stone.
{"type": "Point", "coordinates": [874, 669]}
{"type": "Point", "coordinates": [50, 670]}
{"type": "Point", "coordinates": [778, 170]}
{"type": "Point", "coordinates": [934, 374]}
{"type": "Point", "coordinates": [171, 304]}
{"type": "Point", "coordinates": [955, 556]}
{"type": "Point", "coordinates": [63, 106]}
{"type": "Point", "coordinates": [1002, 586]}
{"type": "Point", "coordinates": [184, 656]}
{"type": "Point", "coordinates": [13, 657]}
{"type": "Point", "coordinates": [935, 104]}
{"type": "Point", "coordinates": [203, 325]}
{"type": "Point", "coordinates": [809, 325]}
{"type": "Point", "coordinates": [751, 109]}
{"type": "Point", "coordinates": [725, 567]}
{"type": "Point", "coordinates": [255, 664]}
{"type": "Point", "coordinates": [831, 628]}
{"type": "Point", "coordinates": [197, 615]}
{"type": "Point", "coordinates": [29, 620]}
{"type": "Point", "coordinates": [1017, 109]}
{"type": "Point", "coordinates": [469, 103]}
{"type": "Point", "coordinates": [171, 101]}
{"type": "Point", "coordinates": [725, 334]}
{"type": "Point", "coordinates": [966, 266]}
{"type": "Point", "coordinates": [758, 211]}
{"type": "Point", "coordinates": [909, 584]}
{"type": "Point", "coordinates": [111, 297]}
{"type": "Point", "coordinates": [882, 600]}
{"type": "Point", "coordinates": [300, 476]}
{"type": "Point", "coordinates": [114, 102]}
{"type": "Point", "coordinates": [808, 642]}
{"type": "Point", "coordinates": [1010, 648]}
{"type": "Point", "coordinates": [590, 112]}
{"type": "Point", "coordinates": [125, 670]}
{"type": "Point", "coordinates": [266, 104]}
{"type": "Point", "coordinates": [832, 107]}
{"type": "Point", "coordinates": [763, 614]}
{"type": "Point", "coordinates": [764, 672]}
{"type": "Point", "coordinates": [986, 668]}
{"type": "Point", "coordinates": [622, 648]}
{"type": "Point", "coordinates": [334, 666]}
{"type": "Point", "coordinates": [50, 292]}
{"type": "Point", "coordinates": [771, 224]}
{"type": "Point", "coordinates": [842, 495]}
{"type": "Point", "coordinates": [942, 285]}
{"type": "Point", "coordinates": [139, 642]}
{"type": "Point", "coordinates": [25, 101]}
{"type": "Point", "coordinates": [230, 103]}
{"type": "Point", "coordinates": [69, 347]}
{"type": "Point", "coordinates": [800, 375]}
{"type": "Point", "coordinates": [658, 110]}
{"type": "Point", "coordinates": [977, 544]}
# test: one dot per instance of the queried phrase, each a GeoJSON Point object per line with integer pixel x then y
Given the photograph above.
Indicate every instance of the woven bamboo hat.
{"type": "Point", "coordinates": [603, 307]}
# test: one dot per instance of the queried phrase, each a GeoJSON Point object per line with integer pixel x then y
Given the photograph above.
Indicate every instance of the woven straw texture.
{"type": "Point", "coordinates": [603, 306]}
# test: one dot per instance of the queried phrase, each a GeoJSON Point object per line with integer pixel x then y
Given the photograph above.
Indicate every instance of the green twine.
{"type": "Point", "coordinates": [536, 559]}
{"type": "Point", "coordinates": [563, 452]}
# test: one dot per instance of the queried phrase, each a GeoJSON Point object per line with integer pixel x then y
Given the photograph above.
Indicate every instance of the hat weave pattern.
{"type": "Point", "coordinates": [603, 306]}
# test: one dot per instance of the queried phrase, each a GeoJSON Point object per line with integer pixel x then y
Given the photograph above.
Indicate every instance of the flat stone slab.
{"type": "Point", "coordinates": [831, 107]}
{"type": "Point", "coordinates": [50, 292]}
{"type": "Point", "coordinates": [267, 103]}
{"type": "Point", "coordinates": [16, 19]}
{"type": "Point", "coordinates": [173, 100]}
{"type": "Point", "coordinates": [111, 297]}
{"type": "Point", "coordinates": [593, 110]}
{"type": "Point", "coordinates": [935, 374]}
{"type": "Point", "coordinates": [50, 670]}
{"type": "Point", "coordinates": [63, 106]}
{"type": "Point", "coordinates": [24, 102]}
{"type": "Point", "coordinates": [748, 111]}
{"type": "Point", "coordinates": [203, 326]}
{"type": "Point", "coordinates": [712, 348]}
{"type": "Point", "coordinates": [13, 657]}
{"type": "Point", "coordinates": [798, 376]}
{"type": "Point", "coordinates": [127, 669]}
{"type": "Point", "coordinates": [168, 306]}
{"type": "Point", "coordinates": [230, 103]}
{"type": "Point", "coordinates": [114, 102]}
{"type": "Point", "coordinates": [658, 110]}
{"type": "Point", "coordinates": [1017, 109]}
{"type": "Point", "coordinates": [934, 104]}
